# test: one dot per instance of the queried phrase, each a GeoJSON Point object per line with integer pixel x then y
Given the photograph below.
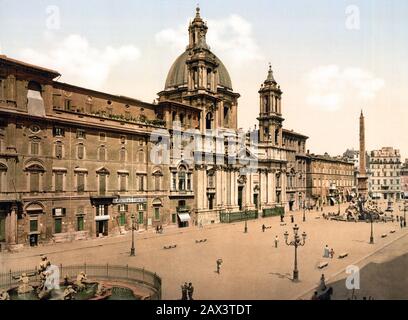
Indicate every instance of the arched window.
{"type": "Point", "coordinates": [226, 115]}
{"type": "Point", "coordinates": [157, 177]}
{"type": "Point", "coordinates": [182, 178]}
{"type": "Point", "coordinates": [34, 171]}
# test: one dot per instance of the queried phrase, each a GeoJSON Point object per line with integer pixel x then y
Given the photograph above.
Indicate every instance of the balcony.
{"type": "Point", "coordinates": [181, 193]}
{"type": "Point", "coordinates": [181, 209]}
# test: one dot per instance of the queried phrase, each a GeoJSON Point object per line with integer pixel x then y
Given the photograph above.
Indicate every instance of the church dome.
{"type": "Point", "coordinates": [177, 76]}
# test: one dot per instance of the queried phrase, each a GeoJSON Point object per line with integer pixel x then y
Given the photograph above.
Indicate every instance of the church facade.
{"type": "Point", "coordinates": [78, 163]}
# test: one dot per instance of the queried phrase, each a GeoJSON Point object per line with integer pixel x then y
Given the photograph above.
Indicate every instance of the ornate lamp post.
{"type": "Point", "coordinates": [372, 235]}
{"type": "Point", "coordinates": [296, 242]}
{"type": "Point", "coordinates": [246, 224]}
{"type": "Point", "coordinates": [132, 249]}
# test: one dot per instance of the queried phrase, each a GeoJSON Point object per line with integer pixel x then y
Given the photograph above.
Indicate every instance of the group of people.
{"type": "Point", "coordinates": [187, 291]}
{"type": "Point", "coordinates": [159, 229]}
{"type": "Point", "coordinates": [328, 253]}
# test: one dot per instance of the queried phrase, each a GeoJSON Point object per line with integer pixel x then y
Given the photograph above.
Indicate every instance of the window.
{"type": "Point", "coordinates": [80, 182]}
{"type": "Point", "coordinates": [182, 181]}
{"type": "Point", "coordinates": [58, 132]}
{"type": "Point", "coordinates": [34, 181]}
{"type": "Point", "coordinates": [67, 105]}
{"type": "Point", "coordinates": [189, 181]}
{"type": "Point", "coordinates": [35, 147]}
{"type": "Point", "coordinates": [59, 181]}
{"type": "Point", "coordinates": [57, 225]}
{"type": "Point", "coordinates": [157, 214]}
{"type": "Point", "coordinates": [141, 157]}
{"type": "Point", "coordinates": [123, 182]}
{"type": "Point", "coordinates": [81, 151]}
{"type": "Point", "coordinates": [122, 155]}
{"type": "Point", "coordinates": [80, 223]}
{"type": "Point", "coordinates": [102, 210]}
{"type": "Point", "coordinates": [58, 150]}
{"type": "Point", "coordinates": [173, 181]}
{"type": "Point", "coordinates": [33, 225]}
{"type": "Point", "coordinates": [141, 182]}
{"type": "Point", "coordinates": [140, 218]}
{"type": "Point", "coordinates": [102, 183]}
{"type": "Point", "coordinates": [122, 219]}
{"type": "Point", "coordinates": [122, 139]}
{"type": "Point", "coordinates": [123, 208]}
{"type": "Point", "coordinates": [102, 153]}
{"type": "Point", "coordinates": [102, 136]}
{"type": "Point", "coordinates": [157, 182]}
{"type": "Point", "coordinates": [80, 134]}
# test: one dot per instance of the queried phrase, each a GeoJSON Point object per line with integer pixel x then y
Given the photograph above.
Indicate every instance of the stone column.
{"type": "Point", "coordinates": [270, 188]}
{"type": "Point", "coordinates": [218, 185]}
{"type": "Point", "coordinates": [248, 190]}
{"type": "Point", "coordinates": [263, 187]}
{"type": "Point", "coordinates": [204, 199]}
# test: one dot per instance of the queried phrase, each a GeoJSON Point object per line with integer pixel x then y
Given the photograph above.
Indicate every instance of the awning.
{"type": "Point", "coordinates": [184, 217]}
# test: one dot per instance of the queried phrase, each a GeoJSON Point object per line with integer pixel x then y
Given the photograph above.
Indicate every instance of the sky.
{"type": "Point", "coordinates": [331, 58]}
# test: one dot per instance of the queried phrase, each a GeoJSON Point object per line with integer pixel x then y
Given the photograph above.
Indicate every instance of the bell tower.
{"type": "Point", "coordinates": [270, 111]}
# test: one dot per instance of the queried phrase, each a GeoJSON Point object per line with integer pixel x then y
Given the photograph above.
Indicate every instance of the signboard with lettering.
{"type": "Point", "coordinates": [125, 200]}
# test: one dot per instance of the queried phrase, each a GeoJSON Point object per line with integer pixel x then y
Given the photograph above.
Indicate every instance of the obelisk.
{"type": "Point", "coordinates": [362, 178]}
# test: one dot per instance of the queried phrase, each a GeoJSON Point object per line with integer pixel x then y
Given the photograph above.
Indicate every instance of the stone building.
{"type": "Point", "coordinates": [385, 174]}
{"type": "Point", "coordinates": [78, 163]}
{"type": "Point", "coordinates": [404, 179]}
{"type": "Point", "coordinates": [329, 179]}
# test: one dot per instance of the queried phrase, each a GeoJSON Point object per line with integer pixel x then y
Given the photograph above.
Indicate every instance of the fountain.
{"type": "Point", "coordinates": [44, 284]}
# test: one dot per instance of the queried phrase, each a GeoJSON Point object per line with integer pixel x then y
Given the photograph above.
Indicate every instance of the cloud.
{"type": "Point", "coordinates": [231, 38]}
{"type": "Point", "coordinates": [330, 86]}
{"type": "Point", "coordinates": [79, 62]}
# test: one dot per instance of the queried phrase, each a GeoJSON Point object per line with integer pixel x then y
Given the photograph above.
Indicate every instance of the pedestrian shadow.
{"type": "Point", "coordinates": [281, 275]}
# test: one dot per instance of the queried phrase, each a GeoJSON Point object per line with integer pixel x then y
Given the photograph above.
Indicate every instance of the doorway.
{"type": "Point", "coordinates": [102, 228]}
{"type": "Point", "coordinates": [33, 240]}
{"type": "Point", "coordinates": [240, 190]}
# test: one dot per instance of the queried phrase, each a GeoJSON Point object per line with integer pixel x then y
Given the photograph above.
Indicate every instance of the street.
{"type": "Point", "coordinates": [252, 267]}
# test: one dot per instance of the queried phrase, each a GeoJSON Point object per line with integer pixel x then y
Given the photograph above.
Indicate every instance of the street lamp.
{"type": "Point", "coordinates": [339, 202]}
{"type": "Point", "coordinates": [296, 242]}
{"type": "Point", "coordinates": [246, 224]}
{"type": "Point", "coordinates": [304, 211]}
{"type": "Point", "coordinates": [132, 249]}
{"type": "Point", "coordinates": [405, 220]}
{"type": "Point", "coordinates": [371, 221]}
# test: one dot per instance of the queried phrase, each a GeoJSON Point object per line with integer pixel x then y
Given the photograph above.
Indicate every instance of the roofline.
{"type": "Point", "coordinates": [16, 62]}
{"type": "Point", "coordinates": [60, 85]}
{"type": "Point", "coordinates": [294, 133]}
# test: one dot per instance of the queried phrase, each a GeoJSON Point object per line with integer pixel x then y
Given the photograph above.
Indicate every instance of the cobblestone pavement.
{"type": "Point", "coordinates": [252, 267]}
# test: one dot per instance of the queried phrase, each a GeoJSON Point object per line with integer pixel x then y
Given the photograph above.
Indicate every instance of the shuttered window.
{"type": "Point", "coordinates": [81, 182]}
{"type": "Point", "coordinates": [81, 150]}
{"type": "Point", "coordinates": [34, 182]}
{"type": "Point", "coordinates": [58, 151]}
{"type": "Point", "coordinates": [59, 181]}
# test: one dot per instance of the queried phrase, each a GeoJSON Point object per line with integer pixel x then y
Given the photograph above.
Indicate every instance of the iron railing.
{"type": "Point", "coordinates": [139, 276]}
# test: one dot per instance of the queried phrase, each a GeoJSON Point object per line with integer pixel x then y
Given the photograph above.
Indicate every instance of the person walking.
{"type": "Point", "coordinates": [263, 228]}
{"type": "Point", "coordinates": [326, 252]}
{"type": "Point", "coordinates": [331, 253]}
{"type": "Point", "coordinates": [292, 218]}
{"type": "Point", "coordinates": [184, 291]}
{"type": "Point", "coordinates": [276, 241]}
{"type": "Point", "coordinates": [281, 217]}
{"type": "Point", "coordinates": [190, 291]}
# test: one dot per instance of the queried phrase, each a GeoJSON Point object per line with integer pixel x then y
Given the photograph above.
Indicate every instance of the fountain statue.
{"type": "Point", "coordinates": [24, 287]}
{"type": "Point", "coordinates": [81, 281]}
{"type": "Point", "coordinates": [69, 293]}
{"type": "Point", "coordinates": [4, 295]}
